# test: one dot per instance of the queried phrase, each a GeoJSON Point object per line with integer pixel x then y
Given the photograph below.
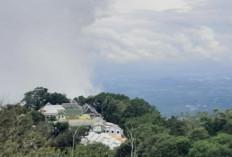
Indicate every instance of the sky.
{"type": "Point", "coordinates": [60, 44]}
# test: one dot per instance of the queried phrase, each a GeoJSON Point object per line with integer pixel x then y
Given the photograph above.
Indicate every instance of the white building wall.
{"type": "Point", "coordinates": [107, 129]}
{"type": "Point", "coordinates": [118, 131]}
{"type": "Point", "coordinates": [114, 129]}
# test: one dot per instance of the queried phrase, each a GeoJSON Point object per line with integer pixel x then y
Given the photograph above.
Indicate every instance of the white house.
{"type": "Point", "coordinates": [56, 111]}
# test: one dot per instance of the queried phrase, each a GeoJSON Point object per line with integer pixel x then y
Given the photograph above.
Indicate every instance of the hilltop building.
{"type": "Point", "coordinates": [101, 131]}
{"type": "Point", "coordinates": [70, 110]}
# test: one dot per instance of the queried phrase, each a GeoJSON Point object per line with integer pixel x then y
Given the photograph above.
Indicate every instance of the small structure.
{"type": "Point", "coordinates": [53, 112]}
{"type": "Point", "coordinates": [99, 126]}
{"type": "Point", "coordinates": [112, 141]}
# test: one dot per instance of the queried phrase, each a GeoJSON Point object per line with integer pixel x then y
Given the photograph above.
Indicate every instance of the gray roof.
{"type": "Point", "coordinates": [72, 105]}
{"type": "Point", "coordinates": [87, 109]}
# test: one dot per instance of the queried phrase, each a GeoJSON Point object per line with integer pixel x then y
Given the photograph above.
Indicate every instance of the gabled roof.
{"type": "Point", "coordinates": [111, 124]}
{"type": "Point", "coordinates": [87, 109]}
{"type": "Point", "coordinates": [73, 101]}
{"type": "Point", "coordinates": [50, 109]}
{"type": "Point", "coordinates": [101, 123]}
{"type": "Point", "coordinates": [98, 119]}
{"type": "Point", "coordinates": [110, 140]}
{"type": "Point", "coordinates": [72, 105]}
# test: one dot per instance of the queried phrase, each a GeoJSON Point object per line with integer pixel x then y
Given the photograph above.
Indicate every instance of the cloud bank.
{"type": "Point", "coordinates": [171, 30]}
{"type": "Point", "coordinates": [40, 43]}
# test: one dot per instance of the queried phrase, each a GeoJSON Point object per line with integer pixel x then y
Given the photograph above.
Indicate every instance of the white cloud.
{"type": "Point", "coordinates": [154, 31]}
{"type": "Point", "coordinates": [140, 45]}
{"type": "Point", "coordinates": [202, 43]}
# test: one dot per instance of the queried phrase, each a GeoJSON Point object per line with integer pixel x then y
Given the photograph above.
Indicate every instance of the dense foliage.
{"type": "Point", "coordinates": [40, 96]}
{"type": "Point", "coordinates": [24, 132]}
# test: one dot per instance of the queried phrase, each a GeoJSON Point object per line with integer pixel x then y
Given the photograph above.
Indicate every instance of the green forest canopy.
{"type": "Point", "coordinates": [24, 132]}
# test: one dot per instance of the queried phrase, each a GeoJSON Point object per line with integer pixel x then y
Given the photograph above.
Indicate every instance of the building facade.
{"type": "Point", "coordinates": [53, 112]}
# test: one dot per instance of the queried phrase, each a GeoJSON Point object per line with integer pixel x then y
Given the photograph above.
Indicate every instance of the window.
{"type": "Point", "coordinates": [117, 132]}
{"type": "Point", "coordinates": [112, 131]}
{"type": "Point", "coordinates": [107, 131]}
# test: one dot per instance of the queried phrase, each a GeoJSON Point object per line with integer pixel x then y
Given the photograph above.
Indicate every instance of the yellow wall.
{"type": "Point", "coordinates": [85, 117]}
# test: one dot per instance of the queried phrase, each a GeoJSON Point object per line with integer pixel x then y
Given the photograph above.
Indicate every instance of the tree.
{"type": "Point", "coordinates": [124, 150]}
{"type": "Point", "coordinates": [37, 117]}
{"type": "Point", "coordinates": [177, 127]}
{"type": "Point", "coordinates": [36, 99]}
{"type": "Point", "coordinates": [77, 134]}
{"type": "Point", "coordinates": [110, 110]}
{"type": "Point", "coordinates": [228, 127]}
{"type": "Point", "coordinates": [183, 145]}
{"type": "Point", "coordinates": [215, 122]}
{"type": "Point", "coordinates": [199, 134]}
{"type": "Point", "coordinates": [57, 98]}
{"type": "Point", "coordinates": [138, 107]}
{"type": "Point", "coordinates": [223, 139]}
{"type": "Point", "coordinates": [18, 135]}
{"type": "Point", "coordinates": [60, 127]}
{"type": "Point", "coordinates": [90, 150]}
{"type": "Point", "coordinates": [80, 100]}
{"type": "Point", "coordinates": [39, 97]}
{"type": "Point", "coordinates": [203, 148]}
{"type": "Point", "coordinates": [165, 146]}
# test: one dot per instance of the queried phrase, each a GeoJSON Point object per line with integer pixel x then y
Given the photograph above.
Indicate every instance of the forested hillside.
{"type": "Point", "coordinates": [24, 131]}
